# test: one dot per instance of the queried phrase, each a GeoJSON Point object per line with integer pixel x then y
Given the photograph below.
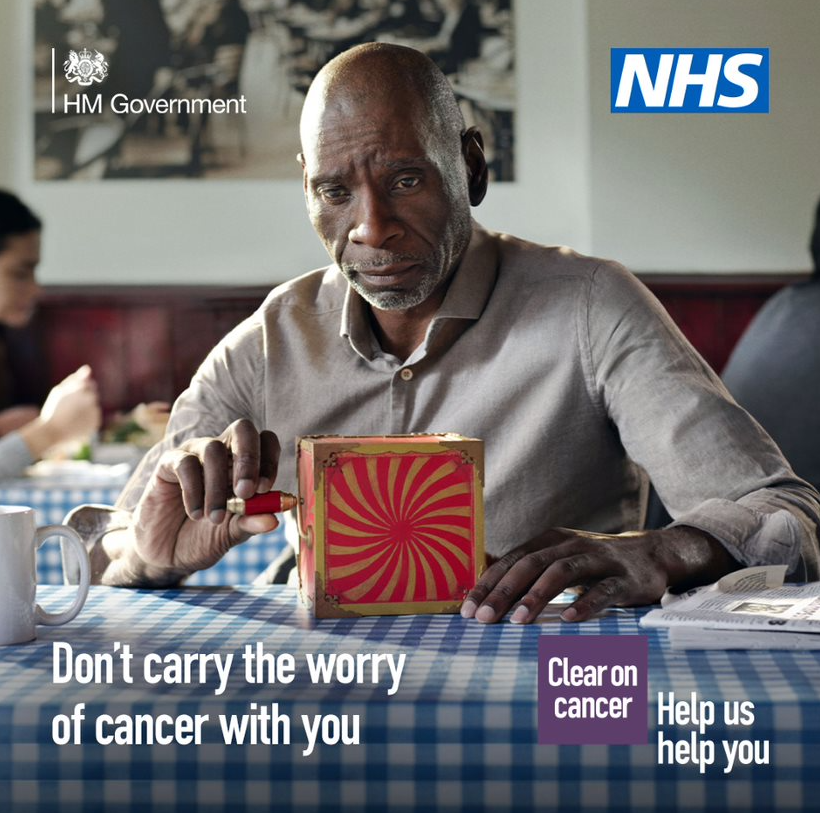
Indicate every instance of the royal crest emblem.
{"type": "Point", "coordinates": [85, 68]}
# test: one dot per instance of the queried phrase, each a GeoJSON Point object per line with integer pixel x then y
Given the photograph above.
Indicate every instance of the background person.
{"type": "Point", "coordinates": [774, 371]}
{"type": "Point", "coordinates": [71, 410]}
{"type": "Point", "coordinates": [22, 386]}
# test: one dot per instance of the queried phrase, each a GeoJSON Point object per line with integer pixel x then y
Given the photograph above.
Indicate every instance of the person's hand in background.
{"type": "Point", "coordinates": [152, 418]}
{"type": "Point", "coordinates": [71, 412]}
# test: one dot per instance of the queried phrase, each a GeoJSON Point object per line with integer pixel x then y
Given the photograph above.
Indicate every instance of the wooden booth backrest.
{"type": "Point", "coordinates": [145, 343]}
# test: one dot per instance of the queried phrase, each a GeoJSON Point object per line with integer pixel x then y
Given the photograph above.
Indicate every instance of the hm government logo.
{"type": "Point", "coordinates": [89, 66]}
{"type": "Point", "coordinates": [85, 68]}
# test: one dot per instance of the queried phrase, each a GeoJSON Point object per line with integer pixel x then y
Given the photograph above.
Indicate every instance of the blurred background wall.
{"type": "Point", "coordinates": [703, 194]}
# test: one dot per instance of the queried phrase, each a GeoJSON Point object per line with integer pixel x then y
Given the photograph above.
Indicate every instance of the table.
{"type": "Point", "coordinates": [53, 499]}
{"type": "Point", "coordinates": [459, 734]}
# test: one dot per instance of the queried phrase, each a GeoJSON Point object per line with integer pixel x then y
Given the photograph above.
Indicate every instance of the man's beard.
{"type": "Point", "coordinates": [397, 300]}
{"type": "Point", "coordinates": [436, 267]}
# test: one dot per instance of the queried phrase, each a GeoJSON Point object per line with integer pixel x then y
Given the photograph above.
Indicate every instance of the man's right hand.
{"type": "Point", "coordinates": [180, 524]}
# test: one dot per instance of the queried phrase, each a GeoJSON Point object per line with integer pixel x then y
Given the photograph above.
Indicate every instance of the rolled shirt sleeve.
{"type": "Point", "coordinates": [712, 464]}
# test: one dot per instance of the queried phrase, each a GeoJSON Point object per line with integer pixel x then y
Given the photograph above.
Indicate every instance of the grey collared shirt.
{"type": "Point", "coordinates": [567, 367]}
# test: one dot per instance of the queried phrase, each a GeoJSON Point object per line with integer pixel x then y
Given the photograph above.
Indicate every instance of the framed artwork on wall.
{"type": "Point", "coordinates": [213, 89]}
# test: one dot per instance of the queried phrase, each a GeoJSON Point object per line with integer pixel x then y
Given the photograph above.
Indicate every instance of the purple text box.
{"type": "Point", "coordinates": [592, 690]}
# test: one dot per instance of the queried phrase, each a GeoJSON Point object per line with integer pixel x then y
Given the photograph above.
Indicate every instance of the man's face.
{"type": "Point", "coordinates": [387, 198]}
{"type": "Point", "coordinates": [19, 290]}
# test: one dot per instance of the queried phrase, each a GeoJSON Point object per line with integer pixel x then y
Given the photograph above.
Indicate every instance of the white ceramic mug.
{"type": "Point", "coordinates": [19, 540]}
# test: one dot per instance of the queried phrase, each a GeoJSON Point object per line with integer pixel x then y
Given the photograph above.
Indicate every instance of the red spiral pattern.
{"type": "Point", "coordinates": [399, 528]}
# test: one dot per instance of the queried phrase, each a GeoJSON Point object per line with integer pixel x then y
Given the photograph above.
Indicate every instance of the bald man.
{"type": "Point", "coordinates": [572, 374]}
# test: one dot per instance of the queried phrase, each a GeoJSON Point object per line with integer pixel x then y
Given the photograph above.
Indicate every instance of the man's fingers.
{"type": "Point", "coordinates": [241, 460]}
{"type": "Point", "coordinates": [606, 593]}
{"type": "Point", "coordinates": [570, 572]}
{"type": "Point", "coordinates": [527, 579]}
{"type": "Point", "coordinates": [485, 586]}
{"type": "Point", "coordinates": [185, 468]}
{"type": "Point", "coordinates": [215, 467]}
{"type": "Point", "coordinates": [268, 461]}
{"type": "Point", "coordinates": [247, 526]}
{"type": "Point", "coordinates": [244, 443]}
{"type": "Point", "coordinates": [536, 578]}
{"type": "Point", "coordinates": [238, 529]}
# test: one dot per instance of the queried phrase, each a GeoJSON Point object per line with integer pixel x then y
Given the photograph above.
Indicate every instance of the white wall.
{"type": "Point", "coordinates": [708, 192]}
{"type": "Point", "coordinates": [144, 231]}
{"type": "Point", "coordinates": [661, 193]}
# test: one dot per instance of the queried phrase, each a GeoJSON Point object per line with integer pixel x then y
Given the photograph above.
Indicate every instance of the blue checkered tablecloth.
{"type": "Point", "coordinates": [459, 734]}
{"type": "Point", "coordinates": [53, 500]}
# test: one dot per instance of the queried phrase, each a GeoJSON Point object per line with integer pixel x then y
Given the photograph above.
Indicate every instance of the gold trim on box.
{"type": "Point", "coordinates": [404, 608]}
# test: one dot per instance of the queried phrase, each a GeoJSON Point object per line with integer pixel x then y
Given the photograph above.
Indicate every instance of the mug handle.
{"type": "Point", "coordinates": [55, 619]}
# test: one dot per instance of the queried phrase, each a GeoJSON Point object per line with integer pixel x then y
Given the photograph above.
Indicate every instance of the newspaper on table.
{"type": "Point", "coordinates": [747, 609]}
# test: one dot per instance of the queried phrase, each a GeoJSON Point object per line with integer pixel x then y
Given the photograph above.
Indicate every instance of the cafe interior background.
{"type": "Point", "coordinates": [150, 255]}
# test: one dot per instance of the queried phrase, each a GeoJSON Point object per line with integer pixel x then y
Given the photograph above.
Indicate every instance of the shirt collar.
{"type": "Point", "coordinates": [466, 297]}
{"type": "Point", "coordinates": [474, 279]}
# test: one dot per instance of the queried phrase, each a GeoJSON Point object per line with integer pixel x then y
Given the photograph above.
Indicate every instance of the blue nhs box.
{"type": "Point", "coordinates": [689, 80]}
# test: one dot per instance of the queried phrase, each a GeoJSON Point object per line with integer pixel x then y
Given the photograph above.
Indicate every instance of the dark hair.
{"type": "Point", "coordinates": [15, 218]}
{"type": "Point", "coordinates": [814, 245]}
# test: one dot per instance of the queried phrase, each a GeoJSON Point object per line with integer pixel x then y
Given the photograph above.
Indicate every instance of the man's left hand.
{"type": "Point", "coordinates": [624, 569]}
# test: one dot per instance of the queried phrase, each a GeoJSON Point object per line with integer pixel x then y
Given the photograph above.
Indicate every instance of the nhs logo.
{"type": "Point", "coordinates": [693, 80]}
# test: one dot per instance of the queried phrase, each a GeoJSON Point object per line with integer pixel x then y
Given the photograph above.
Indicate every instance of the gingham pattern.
{"type": "Point", "coordinates": [460, 734]}
{"type": "Point", "coordinates": [52, 502]}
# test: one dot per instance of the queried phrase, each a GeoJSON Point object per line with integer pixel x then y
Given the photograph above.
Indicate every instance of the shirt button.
{"type": "Point", "coordinates": [406, 374]}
